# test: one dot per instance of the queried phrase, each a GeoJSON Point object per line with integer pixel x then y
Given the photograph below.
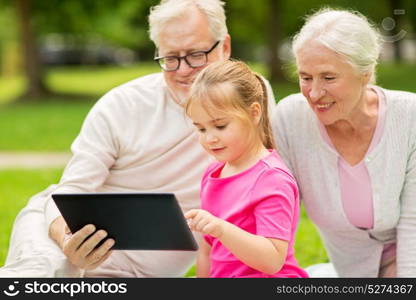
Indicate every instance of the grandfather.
{"type": "Point", "coordinates": [135, 138]}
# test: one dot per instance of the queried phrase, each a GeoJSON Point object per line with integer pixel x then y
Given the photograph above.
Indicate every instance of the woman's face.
{"type": "Point", "coordinates": [333, 88]}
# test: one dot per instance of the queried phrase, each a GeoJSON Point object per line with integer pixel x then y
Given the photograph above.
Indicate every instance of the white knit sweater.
{"type": "Point", "coordinates": [392, 169]}
{"type": "Point", "coordinates": [138, 139]}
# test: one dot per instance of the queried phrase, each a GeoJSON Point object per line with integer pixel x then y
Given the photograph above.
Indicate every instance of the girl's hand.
{"type": "Point", "coordinates": [202, 221]}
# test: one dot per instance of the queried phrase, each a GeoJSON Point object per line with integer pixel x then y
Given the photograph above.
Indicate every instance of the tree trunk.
{"type": "Point", "coordinates": [274, 35]}
{"type": "Point", "coordinates": [36, 88]}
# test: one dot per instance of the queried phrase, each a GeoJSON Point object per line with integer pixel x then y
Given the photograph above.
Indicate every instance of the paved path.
{"type": "Point", "coordinates": [33, 160]}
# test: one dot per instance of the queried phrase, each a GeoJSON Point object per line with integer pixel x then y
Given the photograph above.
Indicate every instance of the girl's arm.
{"type": "Point", "coordinates": [264, 254]}
{"type": "Point", "coordinates": [203, 263]}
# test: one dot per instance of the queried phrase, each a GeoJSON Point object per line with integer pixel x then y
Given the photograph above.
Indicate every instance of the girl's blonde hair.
{"type": "Point", "coordinates": [231, 87]}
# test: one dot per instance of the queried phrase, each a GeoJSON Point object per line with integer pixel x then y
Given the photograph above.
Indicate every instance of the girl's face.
{"type": "Point", "coordinates": [223, 136]}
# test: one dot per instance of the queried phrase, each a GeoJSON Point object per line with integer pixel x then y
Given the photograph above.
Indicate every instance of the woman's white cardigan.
{"type": "Point", "coordinates": [392, 169]}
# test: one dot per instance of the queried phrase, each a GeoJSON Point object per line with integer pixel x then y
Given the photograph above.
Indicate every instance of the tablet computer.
{"type": "Point", "coordinates": [136, 221]}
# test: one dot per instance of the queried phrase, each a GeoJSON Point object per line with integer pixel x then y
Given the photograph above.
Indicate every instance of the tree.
{"type": "Point", "coordinates": [121, 22]}
{"type": "Point", "coordinates": [36, 87]}
{"type": "Point", "coordinates": [273, 41]}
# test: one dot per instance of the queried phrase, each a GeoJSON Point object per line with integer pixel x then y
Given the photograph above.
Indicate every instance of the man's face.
{"type": "Point", "coordinates": [180, 37]}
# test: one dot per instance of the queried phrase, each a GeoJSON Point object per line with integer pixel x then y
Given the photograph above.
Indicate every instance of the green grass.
{"type": "Point", "coordinates": [53, 125]}
{"type": "Point", "coordinates": [91, 81]}
{"type": "Point", "coordinates": [10, 88]}
{"type": "Point", "coordinates": [95, 81]}
{"type": "Point", "coordinates": [49, 126]}
{"type": "Point", "coordinates": [16, 187]}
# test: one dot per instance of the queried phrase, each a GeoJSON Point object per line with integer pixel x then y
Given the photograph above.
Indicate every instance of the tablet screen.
{"type": "Point", "coordinates": [136, 221]}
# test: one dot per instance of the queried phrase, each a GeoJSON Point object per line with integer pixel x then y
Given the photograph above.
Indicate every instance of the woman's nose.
{"type": "Point", "coordinates": [316, 92]}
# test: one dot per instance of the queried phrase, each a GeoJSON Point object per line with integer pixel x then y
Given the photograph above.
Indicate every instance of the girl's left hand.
{"type": "Point", "coordinates": [202, 221]}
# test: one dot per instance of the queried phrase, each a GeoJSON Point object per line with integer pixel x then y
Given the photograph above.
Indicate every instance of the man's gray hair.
{"type": "Point", "coordinates": [347, 33]}
{"type": "Point", "coordinates": [169, 10]}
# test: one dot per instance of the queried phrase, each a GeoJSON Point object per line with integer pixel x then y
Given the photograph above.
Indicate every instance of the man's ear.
{"type": "Point", "coordinates": [256, 112]}
{"type": "Point", "coordinates": [226, 47]}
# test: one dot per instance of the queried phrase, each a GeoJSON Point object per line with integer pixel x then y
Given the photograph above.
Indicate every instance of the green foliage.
{"type": "Point", "coordinates": [122, 23]}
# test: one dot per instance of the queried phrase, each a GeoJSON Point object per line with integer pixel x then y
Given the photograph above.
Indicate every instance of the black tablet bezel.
{"type": "Point", "coordinates": [136, 221]}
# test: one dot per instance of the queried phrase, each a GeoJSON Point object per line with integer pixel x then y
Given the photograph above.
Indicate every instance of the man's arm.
{"type": "Point", "coordinates": [94, 153]}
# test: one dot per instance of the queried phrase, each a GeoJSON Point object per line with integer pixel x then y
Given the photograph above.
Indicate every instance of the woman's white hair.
{"type": "Point", "coordinates": [347, 33]}
{"type": "Point", "coordinates": [169, 10]}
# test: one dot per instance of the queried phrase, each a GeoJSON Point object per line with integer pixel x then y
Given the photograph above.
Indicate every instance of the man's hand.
{"type": "Point", "coordinates": [79, 247]}
{"type": "Point", "coordinates": [202, 221]}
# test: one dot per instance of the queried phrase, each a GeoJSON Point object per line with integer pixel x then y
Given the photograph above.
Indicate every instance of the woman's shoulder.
{"type": "Point", "coordinates": [406, 98]}
{"type": "Point", "coordinates": [401, 107]}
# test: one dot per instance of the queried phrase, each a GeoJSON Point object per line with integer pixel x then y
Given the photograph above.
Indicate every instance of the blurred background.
{"type": "Point", "coordinates": [58, 57]}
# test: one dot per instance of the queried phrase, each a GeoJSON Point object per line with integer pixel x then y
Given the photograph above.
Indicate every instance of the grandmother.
{"type": "Point", "coordinates": [352, 147]}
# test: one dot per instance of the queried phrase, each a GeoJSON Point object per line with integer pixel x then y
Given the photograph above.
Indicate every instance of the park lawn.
{"type": "Point", "coordinates": [90, 81]}
{"type": "Point", "coordinates": [45, 126]}
{"type": "Point", "coordinates": [17, 186]}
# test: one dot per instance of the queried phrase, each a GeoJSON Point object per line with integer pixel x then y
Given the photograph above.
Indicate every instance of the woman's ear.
{"type": "Point", "coordinates": [366, 78]}
{"type": "Point", "coordinates": [256, 112]}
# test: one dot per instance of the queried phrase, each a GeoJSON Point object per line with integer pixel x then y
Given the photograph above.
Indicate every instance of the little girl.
{"type": "Point", "coordinates": [250, 203]}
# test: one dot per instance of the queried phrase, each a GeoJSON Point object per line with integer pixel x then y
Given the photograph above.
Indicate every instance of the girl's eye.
{"type": "Point", "coordinates": [221, 127]}
{"type": "Point", "coordinates": [201, 129]}
{"type": "Point", "coordinates": [329, 78]}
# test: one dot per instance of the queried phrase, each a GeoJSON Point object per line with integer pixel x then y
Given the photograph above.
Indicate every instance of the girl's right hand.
{"type": "Point", "coordinates": [202, 221]}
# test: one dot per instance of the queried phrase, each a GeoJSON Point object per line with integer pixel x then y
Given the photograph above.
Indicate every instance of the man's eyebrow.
{"type": "Point", "coordinates": [187, 51]}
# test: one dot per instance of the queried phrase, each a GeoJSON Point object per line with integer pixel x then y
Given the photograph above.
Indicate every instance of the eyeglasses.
{"type": "Point", "coordinates": [194, 59]}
